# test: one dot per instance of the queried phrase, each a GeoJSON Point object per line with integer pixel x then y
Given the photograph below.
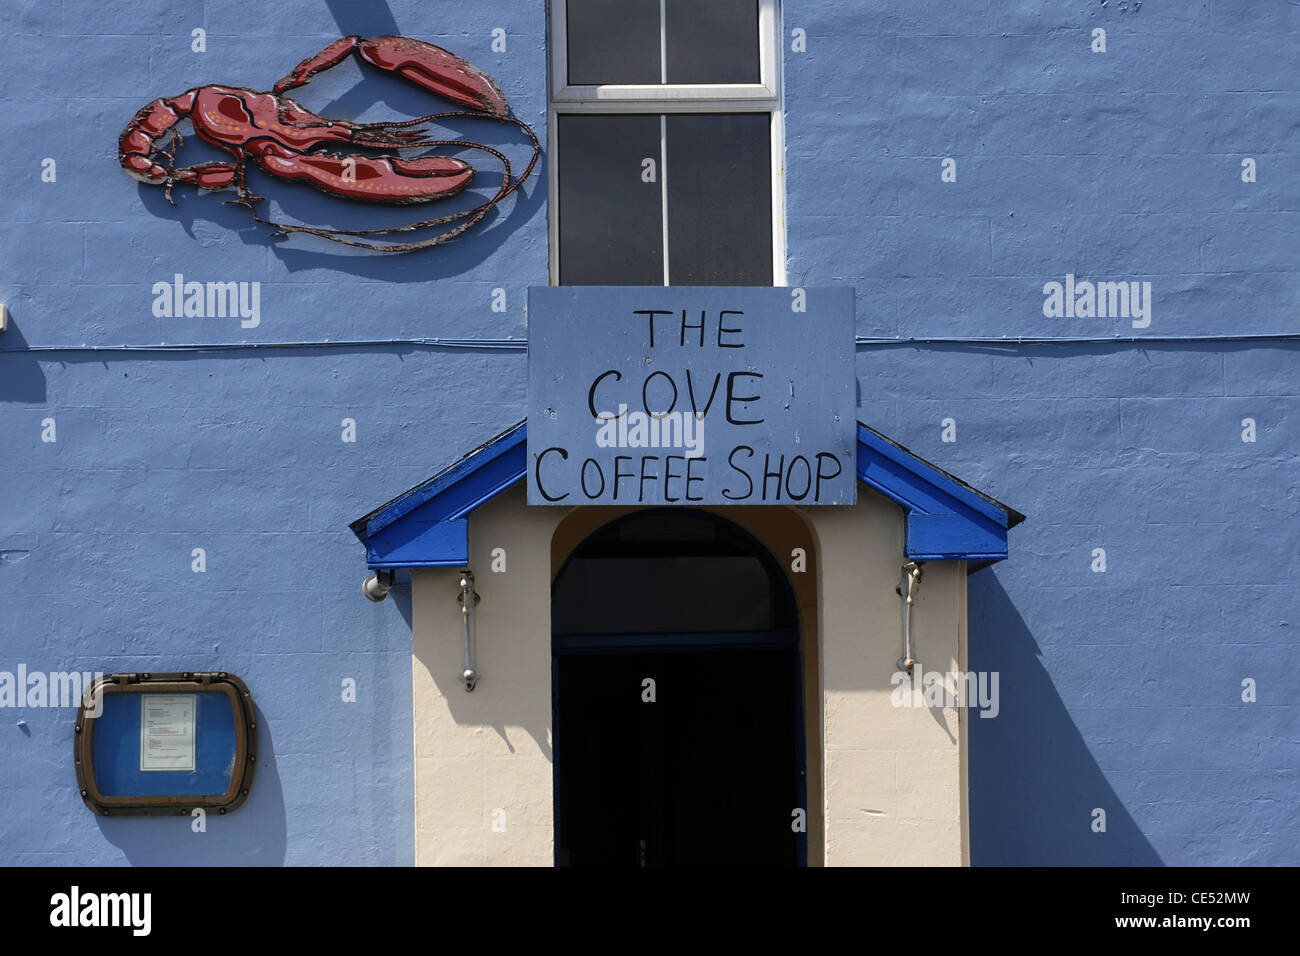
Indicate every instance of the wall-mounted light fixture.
{"type": "Point", "coordinates": [377, 586]}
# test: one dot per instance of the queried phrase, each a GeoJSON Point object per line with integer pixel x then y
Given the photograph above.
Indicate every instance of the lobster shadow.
{"type": "Point", "coordinates": [367, 97]}
{"type": "Point", "coordinates": [371, 19]}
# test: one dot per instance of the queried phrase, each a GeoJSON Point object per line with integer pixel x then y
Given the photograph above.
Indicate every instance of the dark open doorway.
{"type": "Point", "coordinates": [677, 711]}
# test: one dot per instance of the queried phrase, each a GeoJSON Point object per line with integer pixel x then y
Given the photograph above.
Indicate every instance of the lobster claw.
{"type": "Point", "coordinates": [386, 179]}
{"type": "Point", "coordinates": [424, 64]}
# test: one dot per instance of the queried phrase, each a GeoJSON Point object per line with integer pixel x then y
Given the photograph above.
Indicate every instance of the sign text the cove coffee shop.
{"type": "Point", "coordinates": [677, 395]}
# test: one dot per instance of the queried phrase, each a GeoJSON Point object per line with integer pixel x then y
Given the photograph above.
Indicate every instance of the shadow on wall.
{"type": "Point", "coordinates": [501, 709]}
{"type": "Point", "coordinates": [254, 835]}
{"type": "Point", "coordinates": [445, 671]}
{"type": "Point", "coordinates": [1033, 782]}
{"type": "Point", "coordinates": [401, 596]}
{"type": "Point", "coordinates": [299, 204]}
{"type": "Point", "coordinates": [372, 19]}
{"type": "Point", "coordinates": [21, 376]}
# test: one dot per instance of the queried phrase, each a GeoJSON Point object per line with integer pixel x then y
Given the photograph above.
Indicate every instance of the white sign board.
{"type": "Point", "coordinates": [167, 731]}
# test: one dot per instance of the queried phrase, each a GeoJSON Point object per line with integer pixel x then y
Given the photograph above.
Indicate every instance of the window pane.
{"type": "Point", "coordinates": [712, 41]}
{"type": "Point", "coordinates": [613, 41]}
{"type": "Point", "coordinates": [611, 222]}
{"type": "Point", "coordinates": [719, 199]}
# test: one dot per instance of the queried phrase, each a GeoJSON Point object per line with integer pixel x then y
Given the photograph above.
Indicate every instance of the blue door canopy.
{"type": "Point", "coordinates": [427, 526]}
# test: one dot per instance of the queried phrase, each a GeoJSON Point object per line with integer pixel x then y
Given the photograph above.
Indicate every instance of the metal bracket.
{"type": "Point", "coordinates": [912, 580]}
{"type": "Point", "coordinates": [470, 673]}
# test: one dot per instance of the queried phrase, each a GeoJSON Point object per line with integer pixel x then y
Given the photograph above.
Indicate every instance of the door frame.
{"type": "Point", "coordinates": [688, 642]}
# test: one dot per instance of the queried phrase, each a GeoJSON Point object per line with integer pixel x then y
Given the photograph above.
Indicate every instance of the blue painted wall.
{"type": "Point", "coordinates": [1120, 690]}
{"type": "Point", "coordinates": [237, 452]}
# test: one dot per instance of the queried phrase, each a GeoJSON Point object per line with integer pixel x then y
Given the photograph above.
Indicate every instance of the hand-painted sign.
{"type": "Point", "coordinates": [287, 141]}
{"type": "Point", "coordinates": [691, 395]}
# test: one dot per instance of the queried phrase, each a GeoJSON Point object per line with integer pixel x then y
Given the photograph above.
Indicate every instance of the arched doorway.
{"type": "Point", "coordinates": [677, 708]}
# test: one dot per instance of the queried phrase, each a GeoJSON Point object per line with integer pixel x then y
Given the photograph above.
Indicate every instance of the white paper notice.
{"type": "Point", "coordinates": [167, 731]}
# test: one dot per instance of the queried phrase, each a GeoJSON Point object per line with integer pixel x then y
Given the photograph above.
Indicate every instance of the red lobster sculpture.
{"type": "Point", "coordinates": [289, 142]}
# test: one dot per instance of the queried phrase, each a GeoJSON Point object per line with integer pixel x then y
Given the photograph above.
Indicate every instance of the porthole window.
{"type": "Point", "coordinates": [166, 743]}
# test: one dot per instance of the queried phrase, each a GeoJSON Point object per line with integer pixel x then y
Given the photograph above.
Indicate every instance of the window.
{"type": "Point", "coordinates": [663, 50]}
{"type": "Point", "coordinates": [665, 140]}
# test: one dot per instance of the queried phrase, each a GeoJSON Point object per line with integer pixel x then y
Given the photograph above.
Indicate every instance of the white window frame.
{"type": "Point", "coordinates": [762, 97]}
{"type": "Point", "coordinates": [768, 87]}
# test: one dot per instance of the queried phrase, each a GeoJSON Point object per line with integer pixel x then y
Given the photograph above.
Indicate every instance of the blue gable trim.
{"type": "Point", "coordinates": [947, 519]}
{"type": "Point", "coordinates": [426, 527]}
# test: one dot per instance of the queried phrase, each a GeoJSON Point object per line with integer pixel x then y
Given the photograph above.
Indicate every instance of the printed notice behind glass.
{"type": "Point", "coordinates": [167, 731]}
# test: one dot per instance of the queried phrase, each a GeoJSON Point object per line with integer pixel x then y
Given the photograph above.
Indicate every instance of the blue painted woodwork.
{"type": "Point", "coordinates": [425, 527]}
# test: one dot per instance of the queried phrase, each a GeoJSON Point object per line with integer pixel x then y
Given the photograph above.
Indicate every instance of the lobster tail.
{"type": "Point", "coordinates": [139, 141]}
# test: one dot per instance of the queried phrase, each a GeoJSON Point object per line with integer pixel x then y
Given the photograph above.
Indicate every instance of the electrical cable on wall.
{"type": "Point", "coordinates": [521, 345]}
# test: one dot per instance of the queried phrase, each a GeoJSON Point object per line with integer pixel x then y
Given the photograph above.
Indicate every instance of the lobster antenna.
{"type": "Point", "coordinates": [475, 214]}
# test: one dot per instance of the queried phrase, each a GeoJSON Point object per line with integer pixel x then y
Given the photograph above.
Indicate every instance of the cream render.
{"type": "Point", "coordinates": [886, 784]}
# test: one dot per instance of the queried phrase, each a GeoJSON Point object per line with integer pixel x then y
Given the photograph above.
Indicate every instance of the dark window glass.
{"type": "Point", "coordinates": [711, 41]}
{"type": "Point", "coordinates": [670, 572]}
{"type": "Point", "coordinates": [665, 595]}
{"type": "Point", "coordinates": [719, 199]}
{"type": "Point", "coordinates": [611, 223]}
{"type": "Point", "coordinates": [613, 41]}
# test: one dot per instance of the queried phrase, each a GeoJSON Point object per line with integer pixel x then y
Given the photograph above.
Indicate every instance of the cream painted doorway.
{"type": "Point", "coordinates": [676, 698]}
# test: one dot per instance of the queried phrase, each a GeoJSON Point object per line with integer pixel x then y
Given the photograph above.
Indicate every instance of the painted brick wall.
{"type": "Point", "coordinates": [1121, 690]}
{"type": "Point", "coordinates": [237, 452]}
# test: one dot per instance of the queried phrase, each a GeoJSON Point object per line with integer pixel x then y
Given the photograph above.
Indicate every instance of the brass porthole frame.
{"type": "Point", "coordinates": [241, 778]}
